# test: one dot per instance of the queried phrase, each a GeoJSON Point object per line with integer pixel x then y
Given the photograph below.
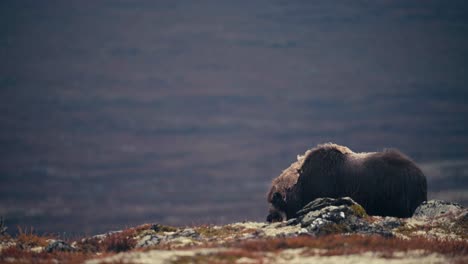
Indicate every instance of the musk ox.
{"type": "Point", "coordinates": [385, 183]}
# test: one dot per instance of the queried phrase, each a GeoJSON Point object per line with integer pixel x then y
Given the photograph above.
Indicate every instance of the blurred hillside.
{"type": "Point", "coordinates": [115, 113]}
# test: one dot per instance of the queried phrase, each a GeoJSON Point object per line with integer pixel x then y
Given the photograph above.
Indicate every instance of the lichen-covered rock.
{"type": "Point", "coordinates": [390, 222]}
{"type": "Point", "coordinates": [148, 241]}
{"type": "Point", "coordinates": [189, 232]}
{"type": "Point", "coordinates": [339, 215]}
{"type": "Point", "coordinates": [435, 208]}
{"type": "Point", "coordinates": [320, 203]}
{"type": "Point", "coordinates": [163, 235]}
{"type": "Point", "coordinates": [59, 245]}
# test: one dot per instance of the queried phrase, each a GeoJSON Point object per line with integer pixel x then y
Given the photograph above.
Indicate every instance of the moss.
{"type": "Point", "coordinates": [358, 210]}
{"type": "Point", "coordinates": [333, 229]}
{"type": "Point", "coordinates": [211, 231]}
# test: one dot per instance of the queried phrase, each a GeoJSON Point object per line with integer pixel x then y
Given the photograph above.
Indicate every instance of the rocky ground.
{"type": "Point", "coordinates": [326, 231]}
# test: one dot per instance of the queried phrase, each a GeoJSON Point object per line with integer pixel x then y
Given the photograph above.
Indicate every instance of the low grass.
{"type": "Point", "coordinates": [212, 231]}
{"type": "Point", "coordinates": [229, 256]}
{"type": "Point", "coordinates": [353, 244]}
{"type": "Point", "coordinates": [209, 231]}
{"type": "Point", "coordinates": [255, 250]}
{"type": "Point", "coordinates": [17, 255]}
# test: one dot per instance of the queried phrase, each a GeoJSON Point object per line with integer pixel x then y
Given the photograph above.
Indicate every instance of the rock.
{"type": "Point", "coordinates": [37, 249]}
{"type": "Point", "coordinates": [292, 221]}
{"type": "Point", "coordinates": [332, 213]}
{"type": "Point", "coordinates": [59, 245]}
{"type": "Point", "coordinates": [189, 232]}
{"type": "Point", "coordinates": [377, 228]}
{"type": "Point", "coordinates": [148, 241]}
{"type": "Point", "coordinates": [187, 236]}
{"type": "Point", "coordinates": [320, 203]}
{"type": "Point", "coordinates": [103, 236]}
{"type": "Point", "coordinates": [390, 222]}
{"type": "Point", "coordinates": [341, 215]}
{"type": "Point", "coordinates": [435, 208]}
{"type": "Point", "coordinates": [4, 244]}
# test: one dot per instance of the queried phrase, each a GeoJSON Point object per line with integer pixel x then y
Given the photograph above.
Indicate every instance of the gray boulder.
{"type": "Point", "coordinates": [390, 222]}
{"type": "Point", "coordinates": [148, 241]}
{"type": "Point", "coordinates": [435, 208]}
{"type": "Point", "coordinates": [320, 203]}
{"type": "Point", "coordinates": [59, 245]}
{"type": "Point", "coordinates": [168, 237]}
{"type": "Point", "coordinates": [341, 215]}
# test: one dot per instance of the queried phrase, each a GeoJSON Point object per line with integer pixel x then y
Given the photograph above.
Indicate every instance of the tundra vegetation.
{"type": "Point", "coordinates": [326, 230]}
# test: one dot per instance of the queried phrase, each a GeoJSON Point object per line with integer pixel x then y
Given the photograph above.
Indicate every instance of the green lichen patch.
{"type": "Point", "coordinates": [221, 231]}
{"type": "Point", "coordinates": [333, 228]}
{"type": "Point", "coordinates": [358, 210]}
{"type": "Point", "coordinates": [215, 231]}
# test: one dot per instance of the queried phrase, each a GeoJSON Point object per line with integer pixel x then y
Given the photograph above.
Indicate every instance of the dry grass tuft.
{"type": "Point", "coordinates": [88, 245]}
{"type": "Point", "coordinates": [28, 239]}
{"type": "Point", "coordinates": [116, 242]}
{"type": "Point", "coordinates": [119, 242]}
{"type": "Point", "coordinates": [142, 228]}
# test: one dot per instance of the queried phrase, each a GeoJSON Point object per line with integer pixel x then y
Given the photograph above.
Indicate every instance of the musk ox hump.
{"type": "Point", "coordinates": [320, 171]}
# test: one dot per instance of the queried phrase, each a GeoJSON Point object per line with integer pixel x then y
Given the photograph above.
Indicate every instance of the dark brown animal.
{"type": "Point", "coordinates": [385, 183]}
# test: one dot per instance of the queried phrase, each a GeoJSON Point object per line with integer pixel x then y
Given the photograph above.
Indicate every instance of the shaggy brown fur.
{"type": "Point", "coordinates": [385, 183]}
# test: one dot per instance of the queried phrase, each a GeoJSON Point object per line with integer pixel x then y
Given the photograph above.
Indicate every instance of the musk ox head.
{"type": "Point", "coordinates": [278, 208]}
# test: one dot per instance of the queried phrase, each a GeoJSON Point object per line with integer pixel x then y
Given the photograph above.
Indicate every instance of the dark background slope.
{"type": "Point", "coordinates": [114, 113]}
